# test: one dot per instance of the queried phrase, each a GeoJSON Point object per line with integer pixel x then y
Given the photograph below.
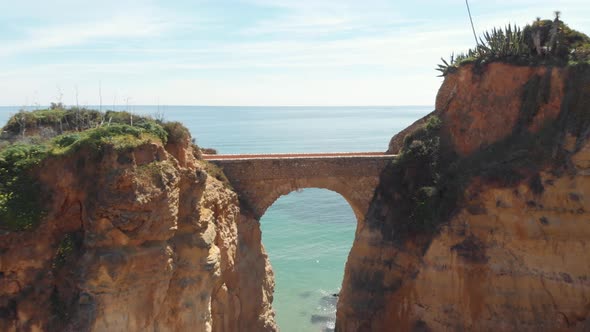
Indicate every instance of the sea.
{"type": "Point", "coordinates": [308, 233]}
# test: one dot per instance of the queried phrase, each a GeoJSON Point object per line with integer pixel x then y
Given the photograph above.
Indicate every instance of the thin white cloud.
{"type": "Point", "coordinates": [395, 50]}
{"type": "Point", "coordinates": [357, 59]}
{"type": "Point", "coordinates": [118, 27]}
{"type": "Point", "coordinates": [315, 18]}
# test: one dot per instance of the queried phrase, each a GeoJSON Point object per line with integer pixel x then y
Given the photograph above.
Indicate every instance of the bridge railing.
{"type": "Point", "coordinates": [295, 155]}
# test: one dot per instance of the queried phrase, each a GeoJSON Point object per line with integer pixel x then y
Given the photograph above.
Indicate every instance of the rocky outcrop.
{"type": "Point", "coordinates": [397, 142]}
{"type": "Point", "coordinates": [511, 253]}
{"type": "Point", "coordinates": [136, 240]}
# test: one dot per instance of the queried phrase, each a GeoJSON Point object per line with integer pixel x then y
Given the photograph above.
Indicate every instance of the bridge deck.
{"type": "Point", "coordinates": [314, 155]}
{"type": "Point", "coordinates": [260, 179]}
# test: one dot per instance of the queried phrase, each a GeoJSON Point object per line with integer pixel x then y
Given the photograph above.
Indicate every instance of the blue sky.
{"type": "Point", "coordinates": [249, 52]}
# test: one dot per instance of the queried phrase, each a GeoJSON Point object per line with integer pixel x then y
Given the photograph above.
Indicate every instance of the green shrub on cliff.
{"type": "Point", "coordinates": [416, 178]}
{"type": "Point", "coordinates": [176, 132]}
{"type": "Point", "coordinates": [542, 42]}
{"type": "Point", "coordinates": [65, 248]}
{"type": "Point", "coordinates": [63, 129]}
{"type": "Point", "coordinates": [216, 172]}
{"type": "Point", "coordinates": [20, 199]}
{"type": "Point", "coordinates": [117, 135]}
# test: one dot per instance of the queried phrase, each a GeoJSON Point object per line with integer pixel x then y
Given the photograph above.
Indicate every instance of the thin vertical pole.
{"type": "Point", "coordinates": [471, 20]}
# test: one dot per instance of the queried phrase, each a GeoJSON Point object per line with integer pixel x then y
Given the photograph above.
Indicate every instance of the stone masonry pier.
{"type": "Point", "coordinates": [260, 179]}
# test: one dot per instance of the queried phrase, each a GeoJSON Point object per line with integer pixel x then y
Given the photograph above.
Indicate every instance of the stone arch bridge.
{"type": "Point", "coordinates": [260, 179]}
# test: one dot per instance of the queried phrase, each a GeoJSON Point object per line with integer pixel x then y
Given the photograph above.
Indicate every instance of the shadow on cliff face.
{"type": "Point", "coordinates": [426, 186]}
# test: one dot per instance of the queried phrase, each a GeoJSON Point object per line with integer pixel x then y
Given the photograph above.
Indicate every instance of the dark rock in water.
{"type": "Point", "coordinates": [329, 300]}
{"type": "Point", "coordinates": [335, 294]}
{"type": "Point", "coordinates": [305, 295]}
{"type": "Point", "coordinates": [316, 319]}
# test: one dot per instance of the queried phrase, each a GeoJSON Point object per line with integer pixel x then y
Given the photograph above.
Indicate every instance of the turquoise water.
{"type": "Point", "coordinates": [307, 234]}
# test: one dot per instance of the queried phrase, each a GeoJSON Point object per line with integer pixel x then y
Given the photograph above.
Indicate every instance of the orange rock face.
{"type": "Point", "coordinates": [141, 240]}
{"type": "Point", "coordinates": [480, 107]}
{"type": "Point", "coordinates": [513, 256]}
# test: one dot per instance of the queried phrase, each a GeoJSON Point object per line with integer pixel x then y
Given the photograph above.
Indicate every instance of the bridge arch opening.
{"type": "Point", "coordinates": [308, 235]}
{"type": "Point", "coordinates": [354, 192]}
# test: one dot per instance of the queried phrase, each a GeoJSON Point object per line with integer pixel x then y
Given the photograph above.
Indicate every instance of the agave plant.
{"type": "Point", "coordinates": [454, 61]}
{"type": "Point", "coordinates": [444, 67]}
{"type": "Point", "coordinates": [545, 41]}
{"type": "Point", "coordinates": [503, 43]}
{"type": "Point", "coordinates": [495, 44]}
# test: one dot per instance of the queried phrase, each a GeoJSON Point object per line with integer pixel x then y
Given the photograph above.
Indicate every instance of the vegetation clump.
{"type": "Point", "coordinates": [119, 136]}
{"type": "Point", "coordinates": [549, 42]}
{"type": "Point", "coordinates": [209, 151]}
{"type": "Point", "coordinates": [416, 183]}
{"type": "Point", "coordinates": [20, 201]}
{"type": "Point", "coordinates": [176, 132]}
{"type": "Point", "coordinates": [427, 182]}
{"type": "Point", "coordinates": [69, 244]}
{"type": "Point", "coordinates": [57, 120]}
{"type": "Point", "coordinates": [63, 297]}
{"type": "Point", "coordinates": [216, 172]}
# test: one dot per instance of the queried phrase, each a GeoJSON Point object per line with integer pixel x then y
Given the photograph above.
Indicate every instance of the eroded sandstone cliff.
{"type": "Point", "coordinates": [136, 240]}
{"type": "Point", "coordinates": [483, 223]}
